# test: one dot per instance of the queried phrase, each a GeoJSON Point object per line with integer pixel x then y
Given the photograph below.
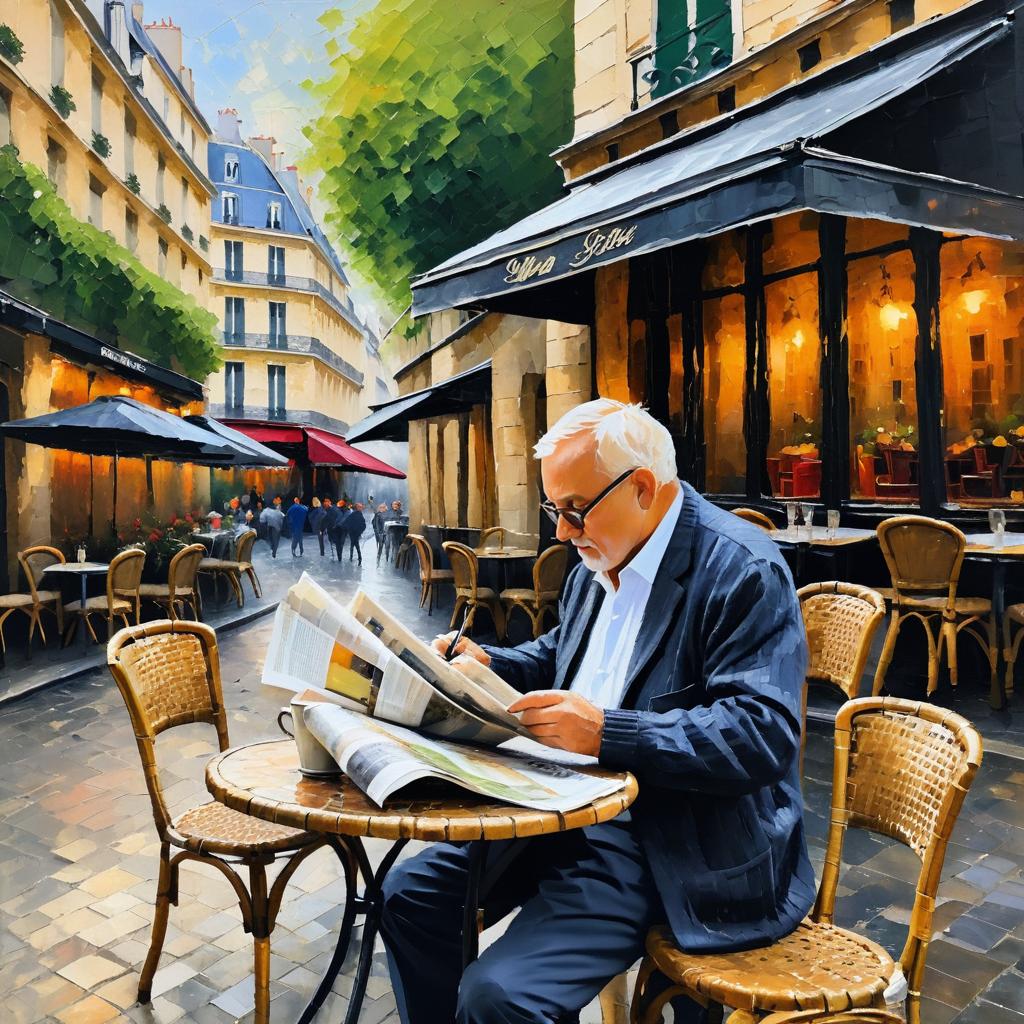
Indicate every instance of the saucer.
{"type": "Point", "coordinates": [333, 773]}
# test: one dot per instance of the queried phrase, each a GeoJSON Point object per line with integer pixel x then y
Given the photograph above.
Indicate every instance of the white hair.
{"type": "Point", "coordinates": [626, 437]}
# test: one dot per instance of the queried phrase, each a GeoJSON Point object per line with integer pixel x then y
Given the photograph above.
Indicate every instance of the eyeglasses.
{"type": "Point", "coordinates": [575, 516]}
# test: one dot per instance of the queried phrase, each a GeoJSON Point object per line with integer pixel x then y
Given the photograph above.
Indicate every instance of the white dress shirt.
{"type": "Point", "coordinates": [601, 677]}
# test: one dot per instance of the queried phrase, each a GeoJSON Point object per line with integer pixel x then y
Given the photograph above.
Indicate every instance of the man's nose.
{"type": "Point", "coordinates": [563, 531]}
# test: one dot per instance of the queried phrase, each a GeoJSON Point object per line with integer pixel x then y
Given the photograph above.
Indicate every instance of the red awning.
{"type": "Point", "coordinates": [322, 447]}
{"type": "Point", "coordinates": [326, 449]}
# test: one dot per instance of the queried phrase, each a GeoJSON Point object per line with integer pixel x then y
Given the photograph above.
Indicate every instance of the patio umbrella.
{"type": "Point", "coordinates": [248, 453]}
{"type": "Point", "coordinates": [122, 427]}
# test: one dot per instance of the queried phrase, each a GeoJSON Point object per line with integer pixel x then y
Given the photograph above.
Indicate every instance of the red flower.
{"type": "Point", "coordinates": [137, 523]}
{"type": "Point", "coordinates": [188, 517]}
{"type": "Point", "coordinates": [155, 536]}
{"type": "Point", "coordinates": [174, 521]}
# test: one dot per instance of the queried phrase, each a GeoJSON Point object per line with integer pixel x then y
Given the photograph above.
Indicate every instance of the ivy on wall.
{"type": "Point", "coordinates": [79, 274]}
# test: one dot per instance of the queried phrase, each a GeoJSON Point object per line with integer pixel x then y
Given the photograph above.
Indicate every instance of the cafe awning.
{"type": "Point", "coordinates": [765, 159]}
{"type": "Point", "coordinates": [389, 421]}
{"type": "Point", "coordinates": [314, 446]}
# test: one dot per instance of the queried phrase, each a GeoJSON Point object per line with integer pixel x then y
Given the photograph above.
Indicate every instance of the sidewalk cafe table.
{"type": "Point", "coordinates": [83, 570]}
{"type": "Point", "coordinates": [503, 556]}
{"type": "Point", "coordinates": [802, 539]}
{"type": "Point", "coordinates": [262, 779]}
{"type": "Point", "coordinates": [395, 531]}
{"type": "Point", "coordinates": [981, 547]}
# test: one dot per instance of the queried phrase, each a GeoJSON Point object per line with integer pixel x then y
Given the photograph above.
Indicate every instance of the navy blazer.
{"type": "Point", "coordinates": [709, 724]}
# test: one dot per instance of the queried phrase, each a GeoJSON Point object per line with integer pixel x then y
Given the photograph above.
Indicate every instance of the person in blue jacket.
{"type": "Point", "coordinates": [679, 656]}
{"type": "Point", "coordinates": [317, 514]}
{"type": "Point", "coordinates": [296, 516]}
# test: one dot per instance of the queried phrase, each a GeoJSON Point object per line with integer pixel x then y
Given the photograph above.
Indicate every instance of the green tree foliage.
{"type": "Point", "coordinates": [437, 126]}
{"type": "Point", "coordinates": [79, 274]}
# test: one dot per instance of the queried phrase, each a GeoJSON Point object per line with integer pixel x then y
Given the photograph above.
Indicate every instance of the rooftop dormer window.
{"type": "Point", "coordinates": [274, 215]}
{"type": "Point", "coordinates": [229, 207]}
{"type": "Point", "coordinates": [231, 167]}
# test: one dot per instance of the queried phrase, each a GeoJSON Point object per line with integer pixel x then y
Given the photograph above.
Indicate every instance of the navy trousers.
{"type": "Point", "coordinates": [587, 900]}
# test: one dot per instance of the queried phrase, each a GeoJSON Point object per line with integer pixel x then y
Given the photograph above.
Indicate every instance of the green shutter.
{"type": "Point", "coordinates": [685, 52]}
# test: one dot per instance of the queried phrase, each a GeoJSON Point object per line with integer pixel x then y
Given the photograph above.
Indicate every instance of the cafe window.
{"type": "Point", "coordinates": [981, 292]}
{"type": "Point", "coordinates": [723, 265]}
{"type": "Point", "coordinates": [724, 348]}
{"type": "Point", "coordinates": [791, 242]}
{"type": "Point", "coordinates": [794, 386]}
{"type": "Point", "coordinates": [882, 330]}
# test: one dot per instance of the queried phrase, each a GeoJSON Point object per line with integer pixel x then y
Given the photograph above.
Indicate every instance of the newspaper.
{"type": "Point", "coordinates": [380, 669]}
{"type": "Point", "coordinates": [381, 758]}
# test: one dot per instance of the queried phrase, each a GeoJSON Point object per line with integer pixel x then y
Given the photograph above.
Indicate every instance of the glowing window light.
{"type": "Point", "coordinates": [974, 300]}
{"type": "Point", "coordinates": [890, 316]}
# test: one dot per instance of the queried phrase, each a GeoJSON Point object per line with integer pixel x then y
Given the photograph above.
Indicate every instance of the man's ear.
{"type": "Point", "coordinates": [647, 487]}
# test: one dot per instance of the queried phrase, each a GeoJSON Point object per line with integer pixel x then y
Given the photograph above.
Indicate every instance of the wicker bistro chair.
{"type": "Point", "coordinates": [232, 569]}
{"type": "Point", "coordinates": [466, 571]}
{"type": "Point", "coordinates": [182, 586]}
{"type": "Point", "coordinates": [429, 576]}
{"type": "Point", "coordinates": [492, 532]}
{"type": "Point", "coordinates": [169, 675]}
{"type": "Point", "coordinates": [840, 620]}
{"type": "Point", "coordinates": [902, 769]}
{"type": "Point", "coordinates": [1013, 634]}
{"type": "Point", "coordinates": [924, 557]}
{"type": "Point", "coordinates": [751, 515]}
{"type": "Point", "coordinates": [121, 599]}
{"type": "Point", "coordinates": [548, 573]}
{"type": "Point", "coordinates": [34, 561]}
{"type": "Point", "coordinates": [861, 1016]}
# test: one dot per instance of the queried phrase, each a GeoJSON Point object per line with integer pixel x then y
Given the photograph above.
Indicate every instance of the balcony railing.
{"type": "Point", "coordinates": [301, 344]}
{"type": "Point", "coordinates": [701, 56]}
{"type": "Point", "coordinates": [301, 284]}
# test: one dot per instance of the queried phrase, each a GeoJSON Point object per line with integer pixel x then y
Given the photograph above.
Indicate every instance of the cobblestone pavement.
{"type": "Point", "coordinates": [78, 861]}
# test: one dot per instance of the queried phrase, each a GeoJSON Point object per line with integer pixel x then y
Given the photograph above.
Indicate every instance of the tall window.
{"type": "Point", "coordinates": [274, 215]}
{"type": "Point", "coordinates": [161, 258]}
{"type": "Point", "coordinates": [5, 117]}
{"type": "Point", "coordinates": [161, 166]}
{"type": "Point", "coordinates": [131, 230]}
{"type": "Point", "coordinates": [229, 207]}
{"type": "Point", "coordinates": [234, 317]}
{"type": "Point", "coordinates": [278, 329]}
{"type": "Point", "coordinates": [233, 269]}
{"type": "Point", "coordinates": [130, 129]}
{"type": "Point", "coordinates": [234, 387]}
{"type": "Point", "coordinates": [96, 191]}
{"type": "Point", "coordinates": [167, 110]}
{"type": "Point", "coordinates": [56, 165]}
{"type": "Point", "coordinates": [231, 167]}
{"type": "Point", "coordinates": [184, 200]}
{"type": "Point", "coordinates": [56, 45]}
{"type": "Point", "coordinates": [275, 388]}
{"type": "Point", "coordinates": [181, 131]}
{"type": "Point", "coordinates": [275, 264]}
{"type": "Point", "coordinates": [97, 100]}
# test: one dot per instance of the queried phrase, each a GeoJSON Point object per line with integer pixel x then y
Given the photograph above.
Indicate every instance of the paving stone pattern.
{"type": "Point", "coordinates": [78, 863]}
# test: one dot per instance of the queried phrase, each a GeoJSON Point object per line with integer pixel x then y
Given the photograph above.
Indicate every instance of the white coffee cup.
{"type": "Point", "coordinates": [313, 759]}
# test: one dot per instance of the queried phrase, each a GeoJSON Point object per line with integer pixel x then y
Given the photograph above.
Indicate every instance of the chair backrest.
{"type": "Point", "coordinates": [902, 769]}
{"type": "Point", "coordinates": [840, 620]}
{"type": "Point", "coordinates": [169, 675]}
{"type": "Point", "coordinates": [125, 574]}
{"type": "Point", "coordinates": [243, 546]}
{"type": "Point", "coordinates": [900, 464]}
{"type": "Point", "coordinates": [549, 571]}
{"type": "Point", "coordinates": [34, 560]}
{"type": "Point", "coordinates": [181, 573]}
{"type": "Point", "coordinates": [465, 567]}
{"type": "Point", "coordinates": [751, 515]}
{"type": "Point", "coordinates": [924, 555]}
{"type": "Point", "coordinates": [980, 455]}
{"type": "Point", "coordinates": [492, 533]}
{"type": "Point", "coordinates": [424, 552]}
{"type": "Point", "coordinates": [806, 478]}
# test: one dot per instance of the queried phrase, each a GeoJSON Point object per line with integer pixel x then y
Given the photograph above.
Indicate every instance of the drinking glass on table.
{"type": "Point", "coordinates": [833, 523]}
{"type": "Point", "coordinates": [790, 515]}
{"type": "Point", "coordinates": [807, 514]}
{"type": "Point", "coordinates": [997, 524]}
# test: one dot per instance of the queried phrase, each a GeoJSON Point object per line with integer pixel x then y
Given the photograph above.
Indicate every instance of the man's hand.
{"type": "Point", "coordinates": [563, 719]}
{"type": "Point", "coordinates": [465, 646]}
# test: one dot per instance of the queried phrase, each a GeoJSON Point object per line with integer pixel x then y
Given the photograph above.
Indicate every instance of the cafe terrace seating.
{"type": "Point", "coordinates": [924, 557]}
{"type": "Point", "coordinates": [429, 576]}
{"type": "Point", "coordinates": [169, 675]}
{"type": "Point", "coordinates": [182, 587]}
{"type": "Point", "coordinates": [233, 569]}
{"type": "Point", "coordinates": [121, 597]}
{"type": "Point", "coordinates": [33, 561]}
{"type": "Point", "coordinates": [466, 572]}
{"type": "Point", "coordinates": [548, 574]}
{"type": "Point", "coordinates": [902, 769]}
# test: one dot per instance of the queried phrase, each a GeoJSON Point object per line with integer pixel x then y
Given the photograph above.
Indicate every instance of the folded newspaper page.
{"type": "Point", "coordinates": [381, 758]}
{"type": "Point", "coordinates": [318, 644]}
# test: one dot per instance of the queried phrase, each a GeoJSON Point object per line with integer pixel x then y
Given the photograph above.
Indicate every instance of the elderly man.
{"type": "Point", "coordinates": [679, 656]}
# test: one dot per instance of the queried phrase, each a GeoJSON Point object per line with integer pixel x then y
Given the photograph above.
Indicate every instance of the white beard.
{"type": "Point", "coordinates": [592, 560]}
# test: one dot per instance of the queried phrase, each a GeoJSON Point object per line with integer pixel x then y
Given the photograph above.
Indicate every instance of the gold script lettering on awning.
{"type": "Point", "coordinates": [523, 268]}
{"type": "Point", "coordinates": [599, 242]}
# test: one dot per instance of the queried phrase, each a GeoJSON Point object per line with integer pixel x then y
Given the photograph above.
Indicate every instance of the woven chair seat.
{"type": "Point", "coordinates": [46, 596]}
{"type": "Point", "coordinates": [99, 604]}
{"type": "Point", "coordinates": [528, 594]}
{"type": "Point", "coordinates": [162, 590]}
{"type": "Point", "coordinates": [481, 593]}
{"type": "Point", "coordinates": [441, 575]}
{"type": "Point", "coordinates": [16, 601]}
{"type": "Point", "coordinates": [214, 828]}
{"type": "Point", "coordinates": [818, 966]}
{"type": "Point", "coordinates": [1016, 612]}
{"type": "Point", "coordinates": [221, 565]}
{"type": "Point", "coordinates": [962, 605]}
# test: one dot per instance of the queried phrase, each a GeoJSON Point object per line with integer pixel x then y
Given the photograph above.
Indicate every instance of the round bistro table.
{"type": "Point", "coordinates": [83, 570]}
{"type": "Point", "coordinates": [263, 779]}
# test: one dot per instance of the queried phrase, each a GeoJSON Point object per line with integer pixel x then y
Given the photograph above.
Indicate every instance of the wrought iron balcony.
{"type": "Point", "coordinates": [302, 284]}
{"type": "Point", "coordinates": [701, 56]}
{"type": "Point", "coordinates": [301, 344]}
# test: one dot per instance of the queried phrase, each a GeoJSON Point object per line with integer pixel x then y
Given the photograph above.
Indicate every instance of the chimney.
{"type": "Point", "coordinates": [228, 124]}
{"type": "Point", "coordinates": [166, 37]}
{"type": "Point", "coordinates": [264, 145]}
{"type": "Point", "coordinates": [187, 81]}
{"type": "Point", "coordinates": [115, 24]}
{"type": "Point", "coordinates": [137, 11]}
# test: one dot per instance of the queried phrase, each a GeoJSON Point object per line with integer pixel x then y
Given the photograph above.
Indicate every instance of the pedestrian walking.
{"type": "Point", "coordinates": [317, 513]}
{"type": "Point", "coordinates": [272, 521]}
{"type": "Point", "coordinates": [380, 517]}
{"type": "Point", "coordinates": [297, 514]}
{"type": "Point", "coordinates": [355, 527]}
{"type": "Point", "coordinates": [329, 525]}
{"type": "Point", "coordinates": [337, 531]}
